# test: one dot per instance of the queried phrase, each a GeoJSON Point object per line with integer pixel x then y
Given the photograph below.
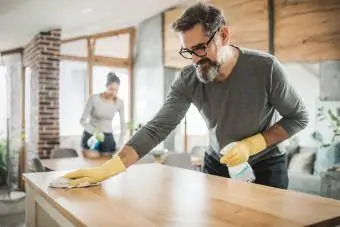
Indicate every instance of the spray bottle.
{"type": "Point", "coordinates": [95, 140]}
{"type": "Point", "coordinates": [242, 171]}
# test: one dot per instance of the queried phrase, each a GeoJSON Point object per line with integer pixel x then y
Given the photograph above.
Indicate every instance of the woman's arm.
{"type": "Point", "coordinates": [122, 124]}
{"type": "Point", "coordinates": [86, 112]}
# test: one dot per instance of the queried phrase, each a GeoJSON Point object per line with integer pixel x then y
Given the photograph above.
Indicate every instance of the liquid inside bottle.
{"type": "Point", "coordinates": [243, 171]}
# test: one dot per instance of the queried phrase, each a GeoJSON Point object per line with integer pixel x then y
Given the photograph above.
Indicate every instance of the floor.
{"type": "Point", "coordinates": [13, 220]}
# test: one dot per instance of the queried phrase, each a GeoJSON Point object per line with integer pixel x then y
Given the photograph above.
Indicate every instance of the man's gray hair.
{"type": "Point", "coordinates": [203, 13]}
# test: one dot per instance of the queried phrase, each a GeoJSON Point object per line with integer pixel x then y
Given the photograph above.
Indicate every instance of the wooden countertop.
{"type": "Point", "coordinates": [159, 195]}
{"type": "Point", "coordinates": [72, 163]}
{"type": "Point", "coordinates": [62, 164]}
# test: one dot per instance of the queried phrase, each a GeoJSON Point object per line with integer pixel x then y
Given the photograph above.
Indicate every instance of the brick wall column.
{"type": "Point", "coordinates": [42, 55]}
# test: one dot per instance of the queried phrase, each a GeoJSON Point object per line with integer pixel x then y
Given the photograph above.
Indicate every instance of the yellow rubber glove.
{"type": "Point", "coordinates": [97, 174]}
{"type": "Point", "coordinates": [241, 150]}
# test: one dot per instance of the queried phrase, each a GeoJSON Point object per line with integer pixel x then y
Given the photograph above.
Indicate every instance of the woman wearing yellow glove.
{"type": "Point", "coordinates": [97, 116]}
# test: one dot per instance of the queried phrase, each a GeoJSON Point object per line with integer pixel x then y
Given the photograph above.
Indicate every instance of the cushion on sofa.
{"type": "Point", "coordinates": [303, 161]}
{"type": "Point", "coordinates": [305, 183]}
{"type": "Point", "coordinates": [326, 157]}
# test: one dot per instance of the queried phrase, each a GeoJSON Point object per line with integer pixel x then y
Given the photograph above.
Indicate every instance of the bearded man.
{"type": "Point", "coordinates": [240, 93]}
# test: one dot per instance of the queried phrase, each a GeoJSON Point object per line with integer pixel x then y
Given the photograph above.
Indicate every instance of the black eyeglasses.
{"type": "Point", "coordinates": [199, 50]}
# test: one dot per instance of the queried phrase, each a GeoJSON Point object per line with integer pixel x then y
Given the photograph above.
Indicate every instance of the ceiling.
{"type": "Point", "coordinates": [20, 20]}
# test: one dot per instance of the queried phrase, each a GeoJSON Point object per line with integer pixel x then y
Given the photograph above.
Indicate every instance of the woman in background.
{"type": "Point", "coordinates": [101, 109]}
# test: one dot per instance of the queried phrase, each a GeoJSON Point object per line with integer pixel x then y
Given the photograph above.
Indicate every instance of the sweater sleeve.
{"type": "Point", "coordinates": [122, 123]}
{"type": "Point", "coordinates": [86, 113]}
{"type": "Point", "coordinates": [168, 117]}
{"type": "Point", "coordinates": [286, 101]}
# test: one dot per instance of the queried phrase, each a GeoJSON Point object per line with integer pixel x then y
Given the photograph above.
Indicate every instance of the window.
{"type": "Point", "coordinates": [3, 101]}
{"type": "Point", "coordinates": [28, 103]}
{"type": "Point", "coordinates": [72, 96]}
{"type": "Point", "coordinates": [75, 48]}
{"type": "Point", "coordinates": [115, 46]}
{"type": "Point", "coordinates": [196, 129]}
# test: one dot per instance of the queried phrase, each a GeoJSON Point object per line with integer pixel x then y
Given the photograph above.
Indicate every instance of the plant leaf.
{"type": "Point", "coordinates": [332, 116]}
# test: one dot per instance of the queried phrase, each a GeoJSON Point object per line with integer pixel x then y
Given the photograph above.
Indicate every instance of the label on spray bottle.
{"type": "Point", "coordinates": [242, 171]}
{"type": "Point", "coordinates": [95, 140]}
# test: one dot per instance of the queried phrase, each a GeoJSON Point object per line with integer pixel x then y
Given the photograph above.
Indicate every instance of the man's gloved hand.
{"type": "Point", "coordinates": [240, 151]}
{"type": "Point", "coordinates": [97, 174]}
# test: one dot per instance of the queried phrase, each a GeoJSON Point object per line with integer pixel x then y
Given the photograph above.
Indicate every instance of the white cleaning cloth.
{"type": "Point", "coordinates": [64, 183]}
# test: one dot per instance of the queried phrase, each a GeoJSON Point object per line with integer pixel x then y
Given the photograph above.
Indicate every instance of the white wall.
{"type": "Point", "coordinates": [148, 70]}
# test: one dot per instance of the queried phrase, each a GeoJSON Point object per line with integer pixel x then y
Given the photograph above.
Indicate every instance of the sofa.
{"type": "Point", "coordinates": [301, 171]}
{"type": "Point", "coordinates": [307, 167]}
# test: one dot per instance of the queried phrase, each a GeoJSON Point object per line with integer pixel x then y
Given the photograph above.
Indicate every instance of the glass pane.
{"type": "Point", "coordinates": [77, 48]}
{"type": "Point", "coordinates": [179, 137]}
{"type": "Point", "coordinates": [116, 46]}
{"type": "Point", "coordinates": [3, 102]}
{"type": "Point", "coordinates": [72, 96]}
{"type": "Point", "coordinates": [186, 54]}
{"type": "Point", "coordinates": [197, 132]}
{"type": "Point", "coordinates": [27, 103]}
{"type": "Point", "coordinates": [200, 52]}
{"type": "Point", "coordinates": [99, 80]}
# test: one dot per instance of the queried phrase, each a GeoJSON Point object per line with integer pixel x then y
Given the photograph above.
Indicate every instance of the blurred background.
{"type": "Point", "coordinates": [54, 54]}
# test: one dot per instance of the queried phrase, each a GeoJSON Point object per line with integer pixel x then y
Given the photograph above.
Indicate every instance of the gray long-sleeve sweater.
{"type": "Point", "coordinates": [101, 114]}
{"type": "Point", "coordinates": [246, 103]}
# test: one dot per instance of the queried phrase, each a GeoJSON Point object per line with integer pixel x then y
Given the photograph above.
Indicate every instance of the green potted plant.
{"type": "Point", "coordinates": [3, 167]}
{"type": "Point", "coordinates": [328, 154]}
{"type": "Point", "coordinates": [333, 120]}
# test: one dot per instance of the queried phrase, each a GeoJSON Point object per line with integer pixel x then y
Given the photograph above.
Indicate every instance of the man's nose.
{"type": "Point", "coordinates": [195, 59]}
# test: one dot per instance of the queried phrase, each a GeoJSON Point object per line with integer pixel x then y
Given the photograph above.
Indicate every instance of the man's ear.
{"type": "Point", "coordinates": [225, 35]}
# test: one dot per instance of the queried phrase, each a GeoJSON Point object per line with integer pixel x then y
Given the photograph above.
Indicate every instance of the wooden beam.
{"type": "Point", "coordinates": [22, 154]}
{"type": "Point", "coordinates": [110, 61]}
{"type": "Point", "coordinates": [307, 31]}
{"type": "Point", "coordinates": [249, 31]}
{"type": "Point", "coordinates": [100, 60]}
{"type": "Point", "coordinates": [185, 135]}
{"type": "Point", "coordinates": [90, 51]}
{"type": "Point", "coordinates": [12, 51]}
{"type": "Point", "coordinates": [73, 58]}
{"type": "Point", "coordinates": [99, 35]}
{"type": "Point", "coordinates": [74, 39]}
{"type": "Point", "coordinates": [132, 43]}
{"type": "Point", "coordinates": [271, 26]}
{"type": "Point", "coordinates": [112, 33]}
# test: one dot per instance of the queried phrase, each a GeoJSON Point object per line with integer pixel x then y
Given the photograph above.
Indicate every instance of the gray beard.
{"type": "Point", "coordinates": [207, 74]}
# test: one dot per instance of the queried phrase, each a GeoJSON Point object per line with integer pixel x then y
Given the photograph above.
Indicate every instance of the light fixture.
{"type": "Point", "coordinates": [86, 10]}
{"type": "Point", "coordinates": [3, 70]}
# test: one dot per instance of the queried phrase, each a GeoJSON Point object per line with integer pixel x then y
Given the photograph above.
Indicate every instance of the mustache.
{"type": "Point", "coordinates": [204, 61]}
